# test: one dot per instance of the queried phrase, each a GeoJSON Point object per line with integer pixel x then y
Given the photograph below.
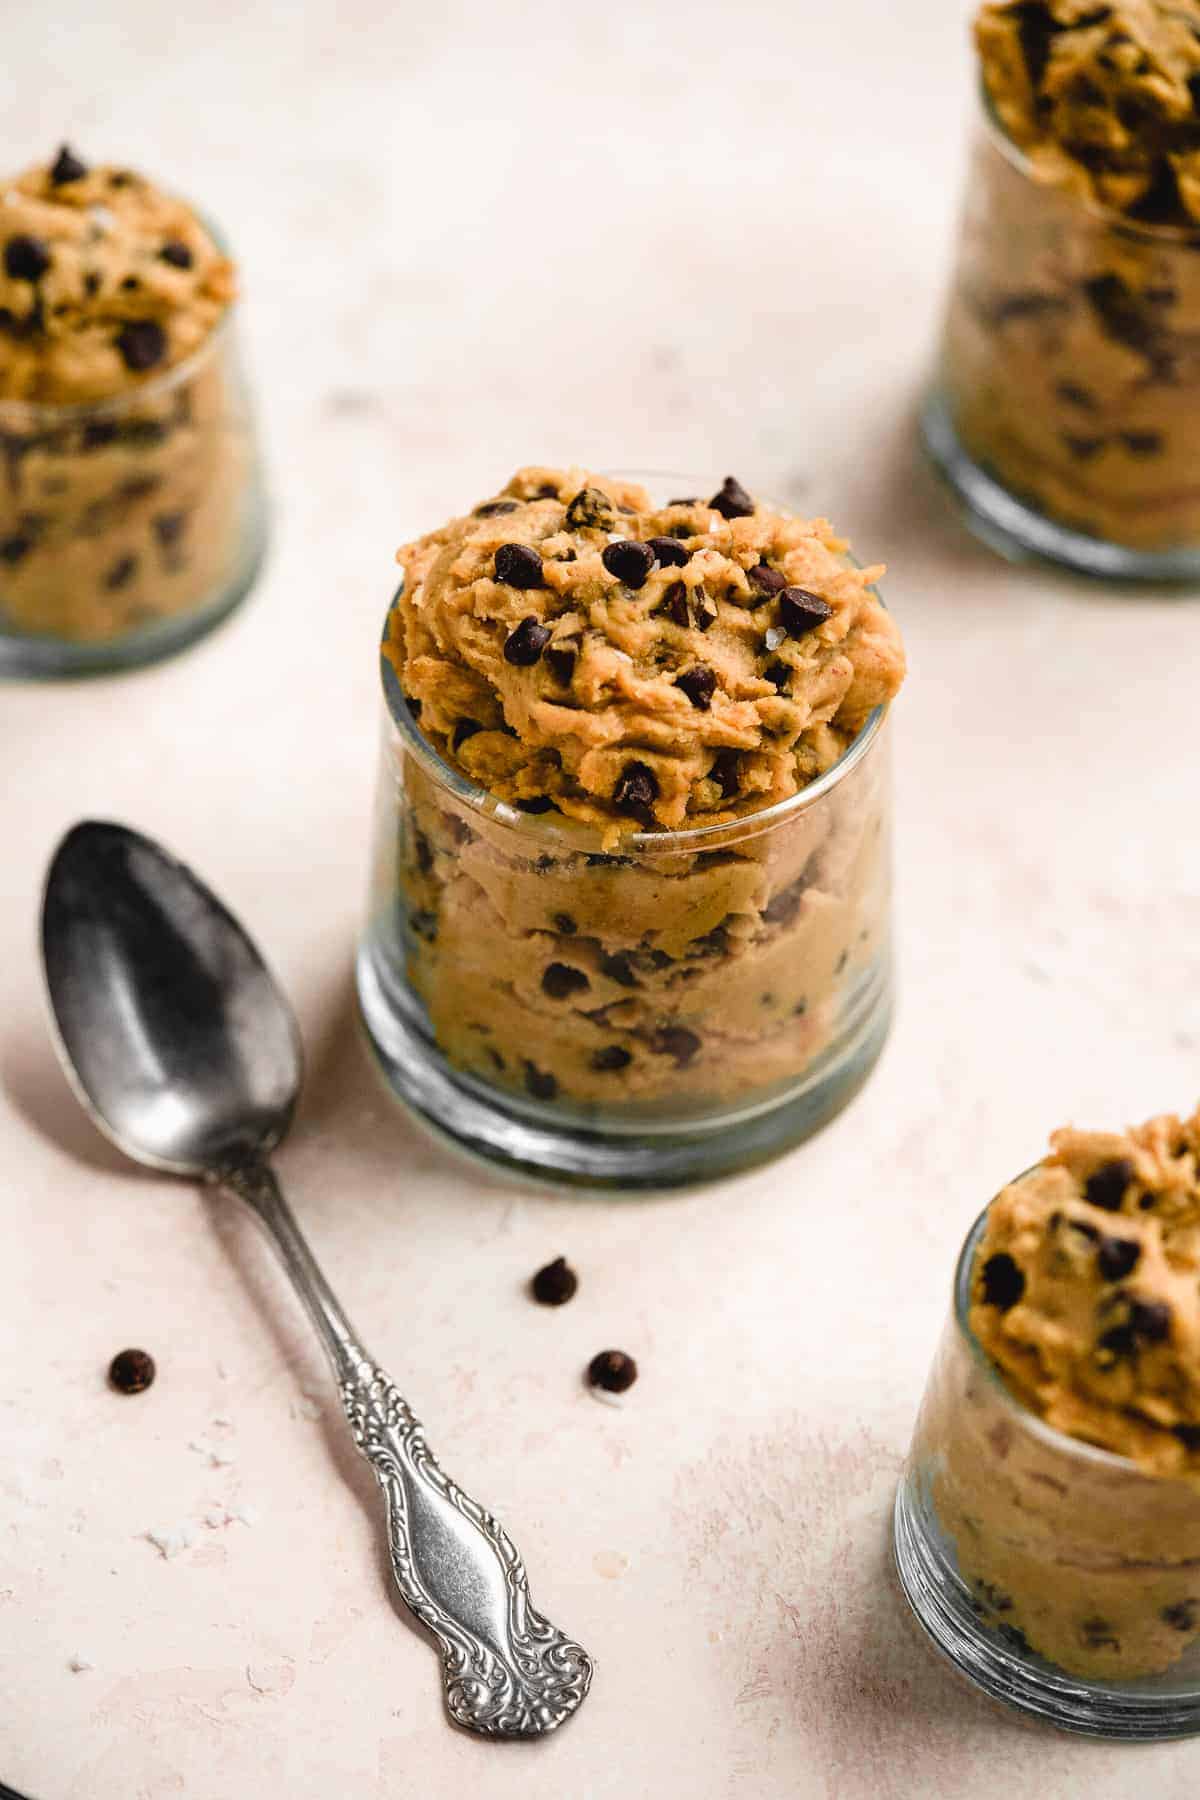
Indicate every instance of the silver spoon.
{"type": "Point", "coordinates": [186, 1054]}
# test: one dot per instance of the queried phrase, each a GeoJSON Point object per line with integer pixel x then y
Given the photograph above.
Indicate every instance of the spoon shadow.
{"type": "Point", "coordinates": [31, 1077]}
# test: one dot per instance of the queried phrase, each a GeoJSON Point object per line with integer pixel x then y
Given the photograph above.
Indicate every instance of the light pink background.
{"type": "Point", "coordinates": [474, 236]}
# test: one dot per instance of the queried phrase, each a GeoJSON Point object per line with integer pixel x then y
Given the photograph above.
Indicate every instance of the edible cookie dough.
{"type": "Point", "coordinates": [122, 441]}
{"type": "Point", "coordinates": [1071, 363]}
{"type": "Point", "coordinates": [1086, 1300]}
{"type": "Point", "coordinates": [609, 666]}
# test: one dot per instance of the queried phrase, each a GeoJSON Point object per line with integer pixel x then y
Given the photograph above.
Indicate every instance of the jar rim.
{"type": "Point", "coordinates": [1181, 236]}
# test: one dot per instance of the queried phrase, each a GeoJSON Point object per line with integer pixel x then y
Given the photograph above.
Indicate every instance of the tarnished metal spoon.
{"type": "Point", "coordinates": [186, 1054]}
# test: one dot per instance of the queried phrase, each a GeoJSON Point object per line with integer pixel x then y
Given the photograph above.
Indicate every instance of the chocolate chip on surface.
{"type": "Point", "coordinates": [26, 258]}
{"type": "Point", "coordinates": [555, 1284]}
{"type": "Point", "coordinates": [131, 1371]}
{"type": "Point", "coordinates": [669, 553]}
{"type": "Point", "coordinates": [142, 343]}
{"type": "Point", "coordinates": [177, 253]}
{"type": "Point", "coordinates": [1117, 1257]}
{"type": "Point", "coordinates": [618, 968]}
{"type": "Point", "coordinates": [613, 1371]}
{"type": "Point", "coordinates": [706, 612]}
{"type": "Point", "coordinates": [731, 500]}
{"type": "Point", "coordinates": [699, 684]}
{"type": "Point", "coordinates": [1106, 1187]}
{"type": "Point", "coordinates": [630, 561]}
{"type": "Point", "coordinates": [801, 612]}
{"type": "Point", "coordinates": [561, 659]}
{"type": "Point", "coordinates": [765, 580]}
{"type": "Point", "coordinates": [610, 1059]}
{"type": "Point", "coordinates": [636, 789]}
{"type": "Point", "coordinates": [674, 605]}
{"type": "Point", "coordinates": [540, 1084]}
{"type": "Point", "coordinates": [524, 645]}
{"type": "Point", "coordinates": [67, 167]}
{"type": "Point", "coordinates": [677, 1042]}
{"type": "Point", "coordinates": [1003, 1282]}
{"type": "Point", "coordinates": [560, 980]}
{"type": "Point", "coordinates": [519, 566]}
{"type": "Point", "coordinates": [590, 510]}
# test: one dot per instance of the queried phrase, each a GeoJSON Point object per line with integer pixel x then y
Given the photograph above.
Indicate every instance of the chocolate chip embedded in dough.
{"type": "Point", "coordinates": [726, 772]}
{"type": "Point", "coordinates": [121, 572]}
{"type": "Point", "coordinates": [613, 1371]}
{"type": "Point", "coordinates": [636, 788]}
{"type": "Point", "coordinates": [801, 612]}
{"type": "Point", "coordinates": [26, 258]}
{"type": "Point", "coordinates": [492, 508]}
{"type": "Point", "coordinates": [612, 1058]}
{"type": "Point", "coordinates": [67, 167]}
{"type": "Point", "coordinates": [1143, 443]}
{"type": "Point", "coordinates": [169, 527]}
{"type": "Point", "coordinates": [630, 561]}
{"type": "Point", "coordinates": [778, 674]}
{"type": "Point", "coordinates": [699, 684]}
{"type": "Point", "coordinates": [541, 1085]}
{"type": "Point", "coordinates": [463, 729]}
{"type": "Point", "coordinates": [1184, 1615]}
{"type": "Point", "coordinates": [706, 612]}
{"type": "Point", "coordinates": [142, 343]}
{"type": "Point", "coordinates": [524, 645]}
{"type": "Point", "coordinates": [677, 1042]}
{"type": "Point", "coordinates": [1188, 1435]}
{"type": "Point", "coordinates": [731, 500]}
{"type": "Point", "coordinates": [535, 803]}
{"type": "Point", "coordinates": [1151, 1320]}
{"type": "Point", "coordinates": [674, 605]}
{"type": "Point", "coordinates": [561, 659]}
{"type": "Point", "coordinates": [1117, 1257]}
{"type": "Point", "coordinates": [555, 1284]}
{"type": "Point", "coordinates": [590, 510]}
{"type": "Point", "coordinates": [1071, 394]}
{"type": "Point", "coordinates": [176, 253]}
{"type": "Point", "coordinates": [564, 924]}
{"type": "Point", "coordinates": [1121, 313]}
{"type": "Point", "coordinates": [669, 552]}
{"type": "Point", "coordinates": [1083, 449]}
{"type": "Point", "coordinates": [1098, 1634]}
{"type": "Point", "coordinates": [561, 980]}
{"type": "Point", "coordinates": [1003, 1282]}
{"type": "Point", "coordinates": [15, 549]}
{"type": "Point", "coordinates": [766, 580]}
{"type": "Point", "coordinates": [519, 566]}
{"type": "Point", "coordinates": [618, 968]}
{"type": "Point", "coordinates": [1106, 1187]}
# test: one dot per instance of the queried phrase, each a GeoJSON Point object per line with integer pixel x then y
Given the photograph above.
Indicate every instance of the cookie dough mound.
{"type": "Point", "coordinates": [1087, 1291]}
{"type": "Point", "coordinates": [105, 282]}
{"type": "Point", "coordinates": [1106, 99]}
{"type": "Point", "coordinates": [571, 644]}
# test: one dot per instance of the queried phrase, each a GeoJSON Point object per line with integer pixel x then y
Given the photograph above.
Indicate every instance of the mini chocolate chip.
{"type": "Point", "coordinates": [15, 549]}
{"type": "Point", "coordinates": [687, 500]}
{"type": "Point", "coordinates": [535, 803]}
{"type": "Point", "coordinates": [669, 552]}
{"type": "Point", "coordinates": [168, 527]}
{"type": "Point", "coordinates": [422, 852]}
{"type": "Point", "coordinates": [786, 904]}
{"type": "Point", "coordinates": [801, 612]}
{"type": "Point", "coordinates": [560, 980]}
{"type": "Point", "coordinates": [177, 253]}
{"type": "Point", "coordinates": [677, 1042]}
{"type": "Point", "coordinates": [1083, 449]}
{"type": "Point", "coordinates": [130, 283]}
{"type": "Point", "coordinates": [1121, 313]}
{"type": "Point", "coordinates": [613, 1371]}
{"type": "Point", "coordinates": [67, 167]}
{"type": "Point", "coordinates": [1150, 1320]}
{"type": "Point", "coordinates": [1117, 1257]}
{"type": "Point", "coordinates": [523, 646]}
{"type": "Point", "coordinates": [636, 788]}
{"type": "Point", "coordinates": [1073, 395]}
{"type": "Point", "coordinates": [562, 659]}
{"type": "Point", "coordinates": [765, 580]}
{"type": "Point", "coordinates": [121, 573]}
{"type": "Point", "coordinates": [1143, 443]}
{"type": "Point", "coordinates": [25, 258]}
{"type": "Point", "coordinates": [590, 510]}
{"type": "Point", "coordinates": [675, 606]}
{"type": "Point", "coordinates": [610, 1059]}
{"type": "Point", "coordinates": [555, 1284]}
{"type": "Point", "coordinates": [774, 636]}
{"type": "Point", "coordinates": [121, 178]}
{"type": "Point", "coordinates": [1098, 1634]}
{"type": "Point", "coordinates": [413, 705]}
{"type": "Point", "coordinates": [519, 566]}
{"type": "Point", "coordinates": [540, 1085]}
{"type": "Point", "coordinates": [731, 500]}
{"type": "Point", "coordinates": [548, 491]}
{"type": "Point", "coordinates": [1188, 1435]}
{"type": "Point", "coordinates": [630, 561]}
{"type": "Point", "coordinates": [618, 968]}
{"type": "Point", "coordinates": [565, 924]}
{"type": "Point", "coordinates": [726, 772]}
{"type": "Point", "coordinates": [491, 508]}
{"type": "Point", "coordinates": [142, 343]}
{"type": "Point", "coordinates": [1106, 1188]}
{"type": "Point", "coordinates": [1003, 1282]}
{"type": "Point", "coordinates": [778, 674]}
{"type": "Point", "coordinates": [131, 1371]}
{"type": "Point", "coordinates": [100, 433]}
{"type": "Point", "coordinates": [699, 684]}
{"type": "Point", "coordinates": [463, 729]}
{"type": "Point", "coordinates": [91, 284]}
{"type": "Point", "coordinates": [1182, 1616]}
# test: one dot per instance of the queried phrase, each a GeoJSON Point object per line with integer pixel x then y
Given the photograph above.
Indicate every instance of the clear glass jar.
{"type": "Point", "coordinates": [668, 1013]}
{"type": "Point", "coordinates": [1065, 414]}
{"type": "Point", "coordinates": [130, 525]}
{"type": "Point", "coordinates": [1057, 1576]}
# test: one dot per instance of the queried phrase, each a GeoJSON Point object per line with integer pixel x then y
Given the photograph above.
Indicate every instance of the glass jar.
{"type": "Point", "coordinates": [682, 1007]}
{"type": "Point", "coordinates": [130, 525]}
{"type": "Point", "coordinates": [1059, 1577]}
{"type": "Point", "coordinates": [1066, 410]}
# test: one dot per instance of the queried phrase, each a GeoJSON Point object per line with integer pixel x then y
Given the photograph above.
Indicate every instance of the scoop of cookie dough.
{"type": "Point", "coordinates": [104, 281]}
{"type": "Point", "coordinates": [1087, 1291]}
{"type": "Point", "coordinates": [1106, 99]}
{"type": "Point", "coordinates": [638, 666]}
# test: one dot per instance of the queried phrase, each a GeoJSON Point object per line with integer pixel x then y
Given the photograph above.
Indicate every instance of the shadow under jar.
{"type": "Point", "coordinates": [132, 524]}
{"type": "Point", "coordinates": [1059, 1577]}
{"type": "Point", "coordinates": [667, 1013]}
{"type": "Point", "coordinates": [1065, 414]}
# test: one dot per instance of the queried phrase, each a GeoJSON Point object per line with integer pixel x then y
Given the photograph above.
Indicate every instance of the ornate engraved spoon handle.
{"type": "Point", "coordinates": [508, 1671]}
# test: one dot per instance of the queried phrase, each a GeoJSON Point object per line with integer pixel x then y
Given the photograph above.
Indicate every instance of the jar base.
{"type": "Point", "coordinates": [943, 1606]}
{"type": "Point", "coordinates": [1021, 534]}
{"type": "Point", "coordinates": [41, 657]}
{"type": "Point", "coordinates": [527, 1139]}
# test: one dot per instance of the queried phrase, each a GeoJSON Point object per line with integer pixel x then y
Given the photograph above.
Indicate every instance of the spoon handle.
{"type": "Point", "coordinates": [508, 1671]}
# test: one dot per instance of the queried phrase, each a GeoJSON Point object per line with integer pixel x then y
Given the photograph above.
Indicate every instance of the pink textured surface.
{"type": "Point", "coordinates": [473, 237]}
